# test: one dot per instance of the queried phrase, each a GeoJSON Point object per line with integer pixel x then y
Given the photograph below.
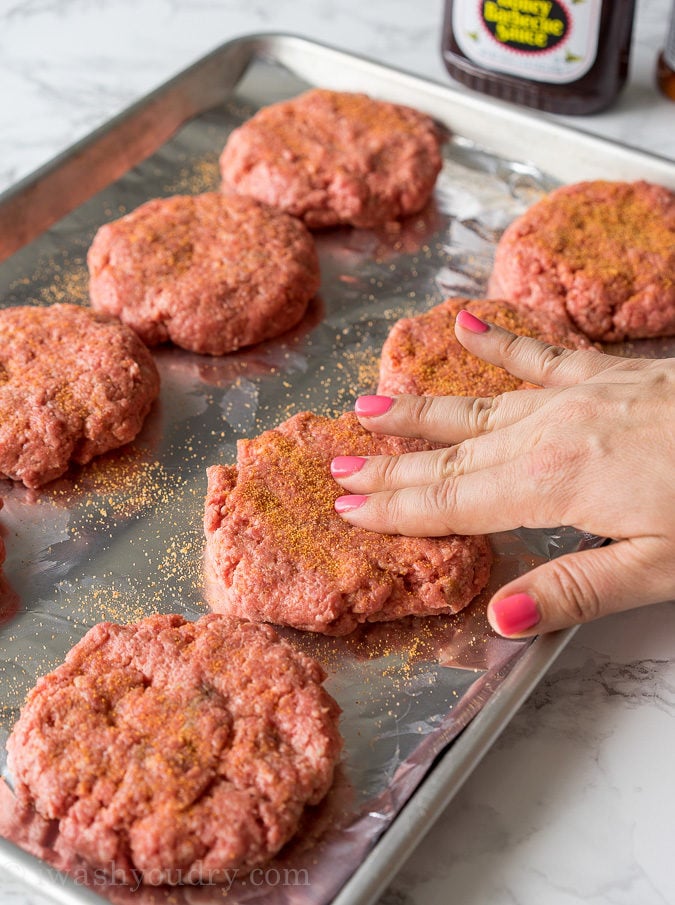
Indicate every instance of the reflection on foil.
{"type": "Point", "coordinates": [239, 406]}
{"type": "Point", "coordinates": [199, 372]}
{"type": "Point", "coordinates": [408, 236]}
{"type": "Point", "coordinates": [123, 536]}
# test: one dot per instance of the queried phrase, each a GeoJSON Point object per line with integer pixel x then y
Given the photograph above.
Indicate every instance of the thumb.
{"type": "Point", "coordinates": [577, 588]}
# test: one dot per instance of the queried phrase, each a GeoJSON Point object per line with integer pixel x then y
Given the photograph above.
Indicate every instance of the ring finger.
{"type": "Point", "coordinates": [372, 474]}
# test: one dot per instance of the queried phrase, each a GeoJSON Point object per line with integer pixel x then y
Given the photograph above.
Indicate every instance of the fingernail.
{"type": "Point", "coordinates": [471, 323]}
{"type": "Point", "coordinates": [344, 466]}
{"type": "Point", "coordinates": [514, 614]}
{"type": "Point", "coordinates": [372, 406]}
{"type": "Point", "coordinates": [349, 503]}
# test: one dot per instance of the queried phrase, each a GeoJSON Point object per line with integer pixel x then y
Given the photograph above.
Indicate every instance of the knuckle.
{"type": "Point", "coordinates": [585, 403]}
{"type": "Point", "coordinates": [449, 461]}
{"type": "Point", "coordinates": [440, 501]}
{"type": "Point", "coordinates": [394, 513]}
{"type": "Point", "coordinates": [574, 593]}
{"type": "Point", "coordinates": [549, 359]}
{"type": "Point", "coordinates": [514, 347]}
{"type": "Point", "coordinates": [388, 468]}
{"type": "Point", "coordinates": [482, 413]}
{"type": "Point", "coordinates": [421, 410]}
{"type": "Point", "coordinates": [546, 358]}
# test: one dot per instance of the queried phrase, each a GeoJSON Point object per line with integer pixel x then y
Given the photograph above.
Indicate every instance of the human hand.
{"type": "Point", "coordinates": [594, 449]}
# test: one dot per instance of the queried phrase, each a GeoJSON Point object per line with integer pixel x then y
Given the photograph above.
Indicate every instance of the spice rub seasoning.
{"type": "Point", "coordinates": [277, 551]}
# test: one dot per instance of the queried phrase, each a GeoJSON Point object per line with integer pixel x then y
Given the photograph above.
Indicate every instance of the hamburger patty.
{"type": "Point", "coordinates": [422, 357]}
{"type": "Point", "coordinates": [333, 157]}
{"type": "Point", "coordinates": [177, 750]}
{"type": "Point", "coordinates": [210, 273]}
{"type": "Point", "coordinates": [73, 384]}
{"type": "Point", "coordinates": [277, 551]}
{"type": "Point", "coordinates": [599, 255]}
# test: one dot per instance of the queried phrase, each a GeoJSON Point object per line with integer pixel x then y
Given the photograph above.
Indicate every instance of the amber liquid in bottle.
{"type": "Point", "coordinates": [558, 57]}
{"type": "Point", "coordinates": [665, 69]}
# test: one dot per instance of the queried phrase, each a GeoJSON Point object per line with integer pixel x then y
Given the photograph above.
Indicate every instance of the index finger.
{"type": "Point", "coordinates": [447, 419]}
{"type": "Point", "coordinates": [528, 358]}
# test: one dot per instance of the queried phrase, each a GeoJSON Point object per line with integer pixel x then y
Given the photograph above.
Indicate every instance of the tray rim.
{"type": "Point", "coordinates": [480, 118]}
{"type": "Point", "coordinates": [453, 767]}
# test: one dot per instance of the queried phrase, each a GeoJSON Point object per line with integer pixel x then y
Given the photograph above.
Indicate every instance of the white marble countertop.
{"type": "Point", "coordinates": [576, 801]}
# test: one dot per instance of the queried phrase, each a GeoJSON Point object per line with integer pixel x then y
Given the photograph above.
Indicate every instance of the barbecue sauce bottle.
{"type": "Point", "coordinates": [562, 57]}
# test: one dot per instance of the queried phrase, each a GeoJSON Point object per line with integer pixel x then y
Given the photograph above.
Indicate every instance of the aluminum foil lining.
{"type": "Point", "coordinates": [123, 537]}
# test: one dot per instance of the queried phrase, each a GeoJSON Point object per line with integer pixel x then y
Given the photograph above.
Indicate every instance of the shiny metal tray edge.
{"type": "Point", "coordinates": [451, 771]}
{"type": "Point", "coordinates": [567, 154]}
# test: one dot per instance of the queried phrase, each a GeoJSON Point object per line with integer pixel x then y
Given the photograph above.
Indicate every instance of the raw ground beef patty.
{"type": "Point", "coordinates": [73, 384]}
{"type": "Point", "coordinates": [210, 273]}
{"type": "Point", "coordinates": [333, 157]}
{"type": "Point", "coordinates": [600, 255]}
{"type": "Point", "coordinates": [277, 551]}
{"type": "Point", "coordinates": [422, 357]}
{"type": "Point", "coordinates": [176, 749]}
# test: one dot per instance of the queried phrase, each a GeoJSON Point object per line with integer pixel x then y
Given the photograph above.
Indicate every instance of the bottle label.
{"type": "Point", "coordinates": [542, 40]}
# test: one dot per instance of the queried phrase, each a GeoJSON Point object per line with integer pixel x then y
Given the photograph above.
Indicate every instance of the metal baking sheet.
{"type": "Point", "coordinates": [121, 538]}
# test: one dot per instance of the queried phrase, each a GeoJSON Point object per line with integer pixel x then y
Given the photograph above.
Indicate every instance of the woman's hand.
{"type": "Point", "coordinates": [595, 448]}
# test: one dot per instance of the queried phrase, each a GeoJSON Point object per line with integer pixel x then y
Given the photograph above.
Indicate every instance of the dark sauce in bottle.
{"type": "Point", "coordinates": [665, 68]}
{"type": "Point", "coordinates": [562, 57]}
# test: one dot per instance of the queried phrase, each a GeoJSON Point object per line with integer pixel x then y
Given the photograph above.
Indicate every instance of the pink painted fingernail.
{"type": "Point", "coordinates": [349, 503]}
{"type": "Point", "coordinates": [514, 614]}
{"type": "Point", "coordinates": [471, 323]}
{"type": "Point", "coordinates": [372, 406]}
{"type": "Point", "coordinates": [344, 466]}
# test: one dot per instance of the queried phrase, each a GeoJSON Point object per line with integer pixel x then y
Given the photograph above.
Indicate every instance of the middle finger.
{"type": "Point", "coordinates": [371, 474]}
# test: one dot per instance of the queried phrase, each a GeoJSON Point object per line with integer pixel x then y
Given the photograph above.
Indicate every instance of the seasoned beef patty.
{"type": "Point", "coordinates": [177, 750]}
{"type": "Point", "coordinates": [210, 273]}
{"type": "Point", "coordinates": [74, 383]}
{"type": "Point", "coordinates": [277, 551]}
{"type": "Point", "coordinates": [332, 157]}
{"type": "Point", "coordinates": [600, 255]}
{"type": "Point", "coordinates": [422, 357]}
